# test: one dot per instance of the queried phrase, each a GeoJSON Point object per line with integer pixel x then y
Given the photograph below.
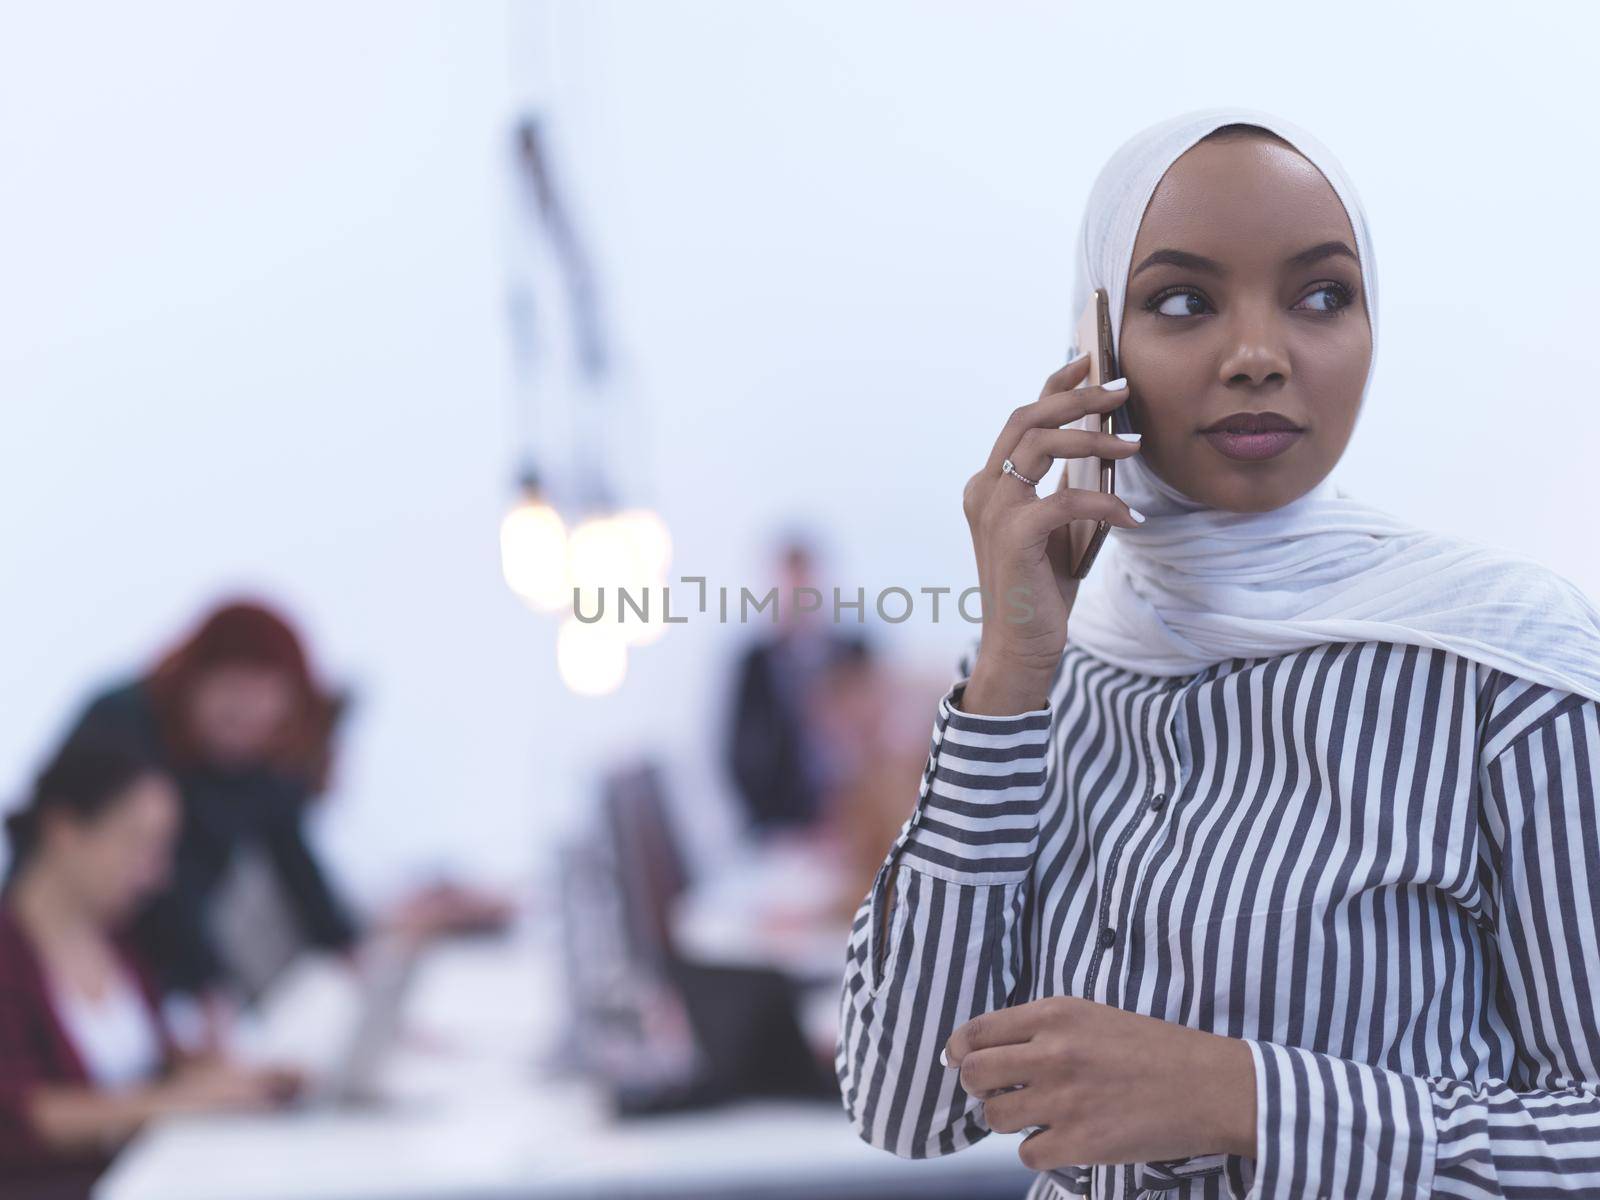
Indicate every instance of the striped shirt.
{"type": "Point", "coordinates": [1377, 864]}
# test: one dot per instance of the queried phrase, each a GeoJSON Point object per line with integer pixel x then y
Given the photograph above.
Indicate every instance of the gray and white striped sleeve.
{"type": "Point", "coordinates": [1330, 1127]}
{"type": "Point", "coordinates": [960, 867]}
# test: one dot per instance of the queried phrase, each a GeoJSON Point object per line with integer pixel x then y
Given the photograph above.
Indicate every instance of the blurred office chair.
{"type": "Point", "coordinates": [652, 871]}
{"type": "Point", "coordinates": [701, 1033]}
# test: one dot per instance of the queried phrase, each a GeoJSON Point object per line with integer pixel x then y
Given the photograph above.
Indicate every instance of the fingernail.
{"type": "Point", "coordinates": [1116, 385]}
{"type": "Point", "coordinates": [1136, 514]}
{"type": "Point", "coordinates": [1130, 437]}
{"type": "Point", "coordinates": [944, 1059]}
{"type": "Point", "coordinates": [1078, 357]}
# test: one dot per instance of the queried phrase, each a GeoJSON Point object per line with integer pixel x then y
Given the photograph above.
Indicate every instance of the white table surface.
{"type": "Point", "coordinates": [772, 906]}
{"type": "Point", "coordinates": [476, 1115]}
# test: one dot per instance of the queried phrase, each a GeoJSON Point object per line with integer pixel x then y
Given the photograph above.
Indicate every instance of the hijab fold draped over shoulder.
{"type": "Point", "coordinates": [1196, 585]}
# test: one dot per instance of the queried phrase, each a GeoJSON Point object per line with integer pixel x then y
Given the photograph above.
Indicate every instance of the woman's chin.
{"type": "Point", "coordinates": [1250, 490]}
{"type": "Point", "coordinates": [1232, 485]}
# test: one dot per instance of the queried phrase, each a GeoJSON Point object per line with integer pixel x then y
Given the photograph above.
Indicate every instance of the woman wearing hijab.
{"type": "Point", "coordinates": [1266, 866]}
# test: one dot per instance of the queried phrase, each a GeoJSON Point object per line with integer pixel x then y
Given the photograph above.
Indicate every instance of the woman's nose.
{"type": "Point", "coordinates": [1256, 352]}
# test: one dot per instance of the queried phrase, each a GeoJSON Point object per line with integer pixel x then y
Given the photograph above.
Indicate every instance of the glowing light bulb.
{"type": "Point", "coordinates": [592, 659]}
{"type": "Point", "coordinates": [650, 550]}
{"type": "Point", "coordinates": [533, 555]}
{"type": "Point", "coordinates": [642, 631]}
{"type": "Point", "coordinates": [600, 560]}
{"type": "Point", "coordinates": [652, 541]}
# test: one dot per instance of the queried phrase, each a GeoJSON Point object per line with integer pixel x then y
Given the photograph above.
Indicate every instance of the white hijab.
{"type": "Point", "coordinates": [1194, 585]}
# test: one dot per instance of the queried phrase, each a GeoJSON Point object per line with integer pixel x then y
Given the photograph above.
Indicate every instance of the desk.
{"type": "Point", "coordinates": [773, 906]}
{"type": "Point", "coordinates": [474, 1114]}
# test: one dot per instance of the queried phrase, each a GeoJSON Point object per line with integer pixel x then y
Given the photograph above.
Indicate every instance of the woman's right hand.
{"type": "Point", "coordinates": [1019, 540]}
{"type": "Point", "coordinates": [74, 1117]}
{"type": "Point", "coordinates": [213, 1084]}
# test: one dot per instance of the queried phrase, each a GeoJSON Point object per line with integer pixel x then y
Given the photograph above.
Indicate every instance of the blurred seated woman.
{"type": "Point", "coordinates": [85, 1058]}
{"type": "Point", "coordinates": [235, 714]}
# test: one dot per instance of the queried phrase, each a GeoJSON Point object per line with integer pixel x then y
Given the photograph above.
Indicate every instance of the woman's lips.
{"type": "Point", "coordinates": [1250, 447]}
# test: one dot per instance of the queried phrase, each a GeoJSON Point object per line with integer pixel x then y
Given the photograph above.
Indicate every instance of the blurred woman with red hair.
{"type": "Point", "coordinates": [238, 718]}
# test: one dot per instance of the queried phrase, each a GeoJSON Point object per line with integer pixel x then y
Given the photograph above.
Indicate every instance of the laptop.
{"type": "Point", "coordinates": [332, 1022]}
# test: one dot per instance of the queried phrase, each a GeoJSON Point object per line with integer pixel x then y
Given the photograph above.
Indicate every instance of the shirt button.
{"type": "Point", "coordinates": [1157, 801]}
{"type": "Point", "coordinates": [1107, 936]}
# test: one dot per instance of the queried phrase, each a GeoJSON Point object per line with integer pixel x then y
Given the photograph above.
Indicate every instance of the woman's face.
{"type": "Point", "coordinates": [1244, 296]}
{"type": "Point", "coordinates": [237, 710]}
{"type": "Point", "coordinates": [123, 854]}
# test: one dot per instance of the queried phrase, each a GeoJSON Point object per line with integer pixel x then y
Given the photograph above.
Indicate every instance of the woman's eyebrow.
{"type": "Point", "coordinates": [1321, 251]}
{"type": "Point", "coordinates": [1181, 258]}
{"type": "Point", "coordinates": [1210, 266]}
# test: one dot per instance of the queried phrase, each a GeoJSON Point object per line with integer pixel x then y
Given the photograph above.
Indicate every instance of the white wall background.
{"type": "Point", "coordinates": [251, 326]}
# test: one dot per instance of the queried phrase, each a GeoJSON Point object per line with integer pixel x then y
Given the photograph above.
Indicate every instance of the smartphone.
{"type": "Point", "coordinates": [1084, 538]}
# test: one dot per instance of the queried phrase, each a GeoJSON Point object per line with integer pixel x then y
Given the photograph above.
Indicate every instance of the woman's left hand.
{"type": "Point", "coordinates": [1107, 1086]}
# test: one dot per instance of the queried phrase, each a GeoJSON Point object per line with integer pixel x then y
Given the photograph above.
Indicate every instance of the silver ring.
{"type": "Point", "coordinates": [1007, 469]}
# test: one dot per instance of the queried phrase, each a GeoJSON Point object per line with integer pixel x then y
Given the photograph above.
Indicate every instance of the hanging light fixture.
{"type": "Point", "coordinates": [592, 659]}
{"type": "Point", "coordinates": [533, 552]}
{"type": "Point", "coordinates": [650, 539]}
{"type": "Point", "coordinates": [553, 563]}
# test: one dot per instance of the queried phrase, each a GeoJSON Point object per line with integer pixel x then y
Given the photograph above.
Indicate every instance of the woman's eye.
{"type": "Point", "coordinates": [1181, 304]}
{"type": "Point", "coordinates": [1330, 297]}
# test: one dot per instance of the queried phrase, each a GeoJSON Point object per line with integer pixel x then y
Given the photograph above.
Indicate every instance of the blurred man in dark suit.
{"type": "Point", "coordinates": [781, 765]}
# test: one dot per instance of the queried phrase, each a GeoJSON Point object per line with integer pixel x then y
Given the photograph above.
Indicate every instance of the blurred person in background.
{"type": "Point", "coordinates": [878, 755]}
{"type": "Point", "coordinates": [780, 762]}
{"type": "Point", "coordinates": [236, 715]}
{"type": "Point", "coordinates": [85, 1057]}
